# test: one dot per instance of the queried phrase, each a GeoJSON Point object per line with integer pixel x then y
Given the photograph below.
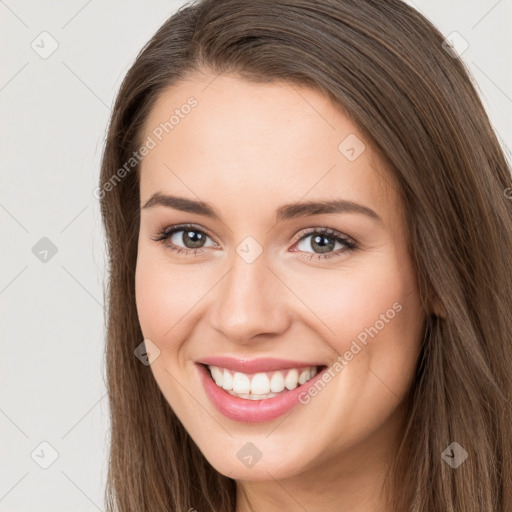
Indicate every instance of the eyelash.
{"type": "Point", "coordinates": [350, 245]}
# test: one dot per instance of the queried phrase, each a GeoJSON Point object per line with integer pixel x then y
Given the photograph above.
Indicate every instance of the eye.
{"type": "Point", "coordinates": [323, 241]}
{"type": "Point", "coordinates": [192, 238]}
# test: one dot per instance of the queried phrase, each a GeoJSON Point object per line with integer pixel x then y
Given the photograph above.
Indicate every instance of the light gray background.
{"type": "Point", "coordinates": [54, 113]}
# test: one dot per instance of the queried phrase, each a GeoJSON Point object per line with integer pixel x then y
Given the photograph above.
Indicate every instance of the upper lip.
{"type": "Point", "coordinates": [244, 365]}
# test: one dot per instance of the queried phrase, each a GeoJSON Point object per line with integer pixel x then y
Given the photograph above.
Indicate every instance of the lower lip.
{"type": "Point", "coordinates": [252, 411]}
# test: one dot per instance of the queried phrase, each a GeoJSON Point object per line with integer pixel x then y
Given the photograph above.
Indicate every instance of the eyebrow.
{"type": "Point", "coordinates": [285, 212]}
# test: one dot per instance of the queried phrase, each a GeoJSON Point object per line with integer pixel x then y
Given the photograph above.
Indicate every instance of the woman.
{"type": "Point", "coordinates": [309, 238]}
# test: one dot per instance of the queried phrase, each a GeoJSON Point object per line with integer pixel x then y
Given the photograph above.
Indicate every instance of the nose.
{"type": "Point", "coordinates": [250, 301]}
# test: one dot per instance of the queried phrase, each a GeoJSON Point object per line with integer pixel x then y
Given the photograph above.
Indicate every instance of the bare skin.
{"type": "Point", "coordinates": [247, 149]}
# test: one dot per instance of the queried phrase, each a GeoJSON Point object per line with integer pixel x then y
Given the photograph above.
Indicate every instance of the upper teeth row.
{"type": "Point", "coordinates": [261, 383]}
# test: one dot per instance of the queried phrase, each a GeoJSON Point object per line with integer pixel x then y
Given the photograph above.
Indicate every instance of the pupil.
{"type": "Point", "coordinates": [319, 240]}
{"type": "Point", "coordinates": [194, 238]}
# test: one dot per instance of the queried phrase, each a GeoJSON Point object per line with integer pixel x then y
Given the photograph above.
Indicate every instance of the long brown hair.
{"type": "Point", "coordinates": [386, 66]}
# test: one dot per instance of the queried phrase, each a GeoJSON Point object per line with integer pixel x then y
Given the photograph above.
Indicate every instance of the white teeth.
{"type": "Point", "coordinates": [261, 385]}
{"type": "Point", "coordinates": [241, 383]}
{"type": "Point", "coordinates": [249, 396]}
{"type": "Point", "coordinates": [277, 382]}
{"type": "Point", "coordinates": [304, 376]}
{"type": "Point", "coordinates": [217, 375]}
{"type": "Point", "coordinates": [291, 379]}
{"type": "Point", "coordinates": [227, 381]}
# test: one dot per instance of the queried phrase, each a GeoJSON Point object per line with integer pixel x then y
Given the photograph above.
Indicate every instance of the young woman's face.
{"type": "Point", "coordinates": [255, 277]}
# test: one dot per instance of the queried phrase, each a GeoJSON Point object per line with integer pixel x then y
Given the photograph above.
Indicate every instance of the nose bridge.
{"type": "Point", "coordinates": [249, 300]}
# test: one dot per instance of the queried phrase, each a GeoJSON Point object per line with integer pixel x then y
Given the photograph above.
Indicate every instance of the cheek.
{"type": "Point", "coordinates": [162, 296]}
{"type": "Point", "coordinates": [169, 297]}
{"type": "Point", "coordinates": [371, 313]}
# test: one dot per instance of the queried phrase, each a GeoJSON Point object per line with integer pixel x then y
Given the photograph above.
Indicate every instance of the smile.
{"type": "Point", "coordinates": [256, 391]}
{"type": "Point", "coordinates": [260, 386]}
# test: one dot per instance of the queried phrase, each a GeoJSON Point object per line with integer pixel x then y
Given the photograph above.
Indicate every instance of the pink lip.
{"type": "Point", "coordinates": [255, 365]}
{"type": "Point", "coordinates": [252, 411]}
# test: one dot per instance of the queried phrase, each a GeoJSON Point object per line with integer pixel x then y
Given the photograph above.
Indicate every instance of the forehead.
{"type": "Point", "coordinates": [224, 137]}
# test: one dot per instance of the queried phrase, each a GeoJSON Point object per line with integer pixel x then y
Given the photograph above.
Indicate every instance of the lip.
{"type": "Point", "coordinates": [255, 365]}
{"type": "Point", "coordinates": [252, 411]}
